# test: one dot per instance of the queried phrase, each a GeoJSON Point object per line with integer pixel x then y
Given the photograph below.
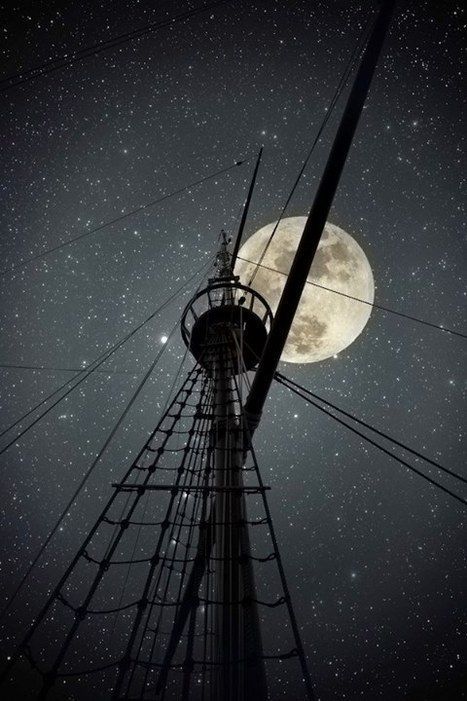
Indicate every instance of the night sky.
{"type": "Point", "coordinates": [375, 556]}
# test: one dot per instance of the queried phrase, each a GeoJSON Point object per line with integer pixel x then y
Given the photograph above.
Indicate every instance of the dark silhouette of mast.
{"type": "Point", "coordinates": [215, 339]}
{"type": "Point", "coordinates": [192, 626]}
{"type": "Point", "coordinates": [317, 217]}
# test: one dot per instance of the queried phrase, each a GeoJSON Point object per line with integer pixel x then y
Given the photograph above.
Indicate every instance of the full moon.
{"type": "Point", "coordinates": [325, 322]}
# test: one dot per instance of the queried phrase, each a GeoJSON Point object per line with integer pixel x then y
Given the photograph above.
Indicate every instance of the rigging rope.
{"type": "Point", "coordinates": [199, 458]}
{"type": "Point", "coordinates": [48, 368]}
{"type": "Point", "coordinates": [133, 633]}
{"type": "Point", "coordinates": [93, 465]}
{"type": "Point", "coordinates": [284, 379]}
{"type": "Point", "coordinates": [186, 390]}
{"type": "Point", "coordinates": [141, 524]}
{"type": "Point", "coordinates": [103, 226]}
{"type": "Point", "coordinates": [304, 396]}
{"type": "Point", "coordinates": [295, 387]}
{"type": "Point", "coordinates": [86, 372]}
{"type": "Point", "coordinates": [339, 89]}
{"type": "Point", "coordinates": [363, 301]}
{"type": "Point", "coordinates": [66, 60]}
{"type": "Point", "coordinates": [276, 553]}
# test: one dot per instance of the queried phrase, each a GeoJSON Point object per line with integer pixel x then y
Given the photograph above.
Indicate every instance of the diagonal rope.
{"type": "Point", "coordinates": [363, 301]}
{"type": "Point", "coordinates": [88, 473]}
{"type": "Point", "coordinates": [283, 379]}
{"type": "Point", "coordinates": [48, 368]}
{"type": "Point", "coordinates": [335, 98]}
{"type": "Point", "coordinates": [104, 447]}
{"type": "Point", "coordinates": [307, 394]}
{"type": "Point", "coordinates": [309, 686]}
{"type": "Point", "coordinates": [120, 218]}
{"type": "Point", "coordinates": [86, 372]}
{"type": "Point", "coordinates": [132, 558]}
{"type": "Point", "coordinates": [66, 60]}
{"type": "Point", "coordinates": [304, 396]}
{"type": "Point", "coordinates": [54, 595]}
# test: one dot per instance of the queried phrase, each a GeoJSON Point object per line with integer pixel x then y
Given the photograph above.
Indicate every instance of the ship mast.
{"type": "Point", "coordinates": [227, 327]}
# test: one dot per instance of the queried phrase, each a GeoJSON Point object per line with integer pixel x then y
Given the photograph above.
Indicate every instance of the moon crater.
{"type": "Point", "coordinates": [325, 322]}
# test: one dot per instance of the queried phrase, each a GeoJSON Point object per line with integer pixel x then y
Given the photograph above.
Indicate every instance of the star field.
{"type": "Point", "coordinates": [375, 557]}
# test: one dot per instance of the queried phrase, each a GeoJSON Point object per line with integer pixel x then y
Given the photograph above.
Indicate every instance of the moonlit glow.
{"type": "Point", "coordinates": [325, 322]}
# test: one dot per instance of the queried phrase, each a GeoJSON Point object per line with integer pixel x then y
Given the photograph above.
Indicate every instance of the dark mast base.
{"type": "Point", "coordinates": [227, 338]}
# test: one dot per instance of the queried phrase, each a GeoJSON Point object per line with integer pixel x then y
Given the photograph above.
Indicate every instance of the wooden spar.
{"type": "Point", "coordinates": [317, 218]}
{"type": "Point", "coordinates": [245, 211]}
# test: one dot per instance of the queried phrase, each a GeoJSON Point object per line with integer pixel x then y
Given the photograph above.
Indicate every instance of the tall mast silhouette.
{"type": "Point", "coordinates": [186, 537]}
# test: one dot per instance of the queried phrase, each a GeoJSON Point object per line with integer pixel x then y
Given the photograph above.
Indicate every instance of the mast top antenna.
{"type": "Point", "coordinates": [224, 258]}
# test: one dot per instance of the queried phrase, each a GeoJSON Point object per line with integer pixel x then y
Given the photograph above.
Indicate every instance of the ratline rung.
{"type": "Point", "coordinates": [177, 488]}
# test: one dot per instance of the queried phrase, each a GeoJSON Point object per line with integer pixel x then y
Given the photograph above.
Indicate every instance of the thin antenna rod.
{"type": "Point", "coordinates": [317, 218]}
{"type": "Point", "coordinates": [245, 210]}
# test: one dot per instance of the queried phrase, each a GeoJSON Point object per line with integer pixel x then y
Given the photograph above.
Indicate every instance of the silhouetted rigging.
{"type": "Point", "coordinates": [120, 218]}
{"type": "Point", "coordinates": [176, 550]}
{"type": "Point", "coordinates": [74, 56]}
